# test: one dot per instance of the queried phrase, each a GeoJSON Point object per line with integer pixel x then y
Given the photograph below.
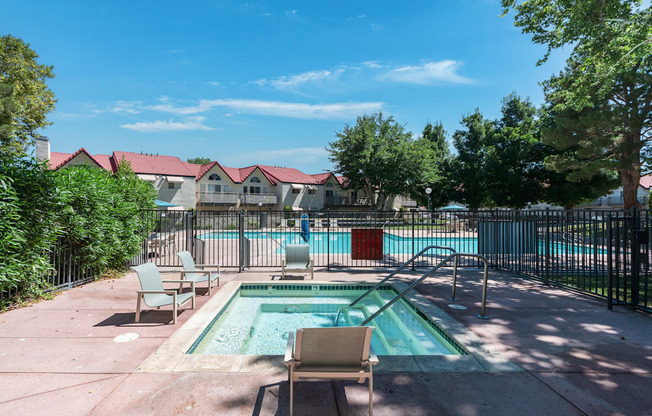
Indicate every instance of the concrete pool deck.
{"type": "Point", "coordinates": [60, 357]}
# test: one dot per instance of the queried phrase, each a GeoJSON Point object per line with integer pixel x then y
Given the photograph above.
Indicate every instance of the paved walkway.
{"type": "Point", "coordinates": [59, 357]}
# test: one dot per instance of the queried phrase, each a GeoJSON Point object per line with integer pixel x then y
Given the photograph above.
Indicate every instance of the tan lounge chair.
{"type": "Point", "coordinates": [155, 295]}
{"type": "Point", "coordinates": [194, 272]}
{"type": "Point", "coordinates": [297, 259]}
{"type": "Point", "coordinates": [343, 353]}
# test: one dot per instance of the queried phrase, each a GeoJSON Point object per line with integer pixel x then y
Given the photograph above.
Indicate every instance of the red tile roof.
{"type": "Point", "coordinates": [57, 158]}
{"type": "Point", "coordinates": [322, 177]}
{"type": "Point", "coordinates": [646, 181]}
{"type": "Point", "coordinates": [104, 161]}
{"type": "Point", "coordinates": [194, 168]}
{"type": "Point", "coordinates": [154, 164]}
{"type": "Point", "coordinates": [287, 175]}
{"type": "Point", "coordinates": [63, 158]}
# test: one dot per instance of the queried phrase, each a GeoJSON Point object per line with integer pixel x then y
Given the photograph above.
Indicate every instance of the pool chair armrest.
{"type": "Point", "coordinates": [182, 282]}
{"type": "Point", "coordinates": [164, 292]}
{"type": "Point", "coordinates": [373, 358]}
{"type": "Point", "coordinates": [185, 272]}
{"type": "Point", "coordinates": [288, 350]}
{"type": "Point", "coordinates": [203, 266]}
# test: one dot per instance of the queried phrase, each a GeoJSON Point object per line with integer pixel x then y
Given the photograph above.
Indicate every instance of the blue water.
{"type": "Point", "coordinates": [340, 242]}
{"type": "Point", "coordinates": [255, 324]}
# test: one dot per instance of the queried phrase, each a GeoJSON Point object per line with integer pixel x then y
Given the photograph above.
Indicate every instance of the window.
{"type": "Point", "coordinates": [329, 185]}
{"type": "Point", "coordinates": [296, 191]}
{"type": "Point", "coordinates": [254, 180]}
{"type": "Point", "coordinates": [214, 177]}
{"type": "Point", "coordinates": [254, 189]}
{"type": "Point", "coordinates": [172, 185]}
{"type": "Point", "coordinates": [216, 189]}
{"type": "Point", "coordinates": [329, 194]}
{"type": "Point", "coordinates": [312, 191]}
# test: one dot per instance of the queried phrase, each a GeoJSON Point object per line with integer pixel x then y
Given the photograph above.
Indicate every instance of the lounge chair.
{"type": "Point", "coordinates": [155, 295]}
{"type": "Point", "coordinates": [297, 259]}
{"type": "Point", "coordinates": [191, 272]}
{"type": "Point", "coordinates": [343, 353]}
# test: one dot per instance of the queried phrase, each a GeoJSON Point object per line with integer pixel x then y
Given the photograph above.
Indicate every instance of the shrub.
{"type": "Point", "coordinates": [29, 205]}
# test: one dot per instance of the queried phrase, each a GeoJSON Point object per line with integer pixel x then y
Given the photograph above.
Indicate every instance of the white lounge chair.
{"type": "Point", "coordinates": [297, 259]}
{"type": "Point", "coordinates": [155, 295]}
{"type": "Point", "coordinates": [343, 353]}
{"type": "Point", "coordinates": [192, 271]}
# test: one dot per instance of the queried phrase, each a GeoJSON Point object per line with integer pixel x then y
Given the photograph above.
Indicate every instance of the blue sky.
{"type": "Point", "coordinates": [267, 82]}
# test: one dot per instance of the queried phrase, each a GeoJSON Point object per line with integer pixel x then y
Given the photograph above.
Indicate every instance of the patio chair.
{"type": "Point", "coordinates": [343, 353]}
{"type": "Point", "coordinates": [191, 272]}
{"type": "Point", "coordinates": [297, 259]}
{"type": "Point", "coordinates": [155, 295]}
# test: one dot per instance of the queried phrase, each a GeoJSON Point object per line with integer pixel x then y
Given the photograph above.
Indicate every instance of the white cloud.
{"type": "Point", "coordinates": [298, 110]}
{"type": "Point", "coordinates": [173, 51]}
{"type": "Point", "coordinates": [428, 74]}
{"type": "Point", "coordinates": [167, 107]}
{"type": "Point", "coordinates": [191, 123]}
{"type": "Point", "coordinates": [376, 27]}
{"type": "Point", "coordinates": [294, 81]}
{"type": "Point", "coordinates": [130, 107]}
{"type": "Point", "coordinates": [214, 83]}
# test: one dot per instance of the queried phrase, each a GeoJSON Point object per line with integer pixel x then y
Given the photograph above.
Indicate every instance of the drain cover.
{"type": "Point", "coordinates": [128, 337]}
{"type": "Point", "coordinates": [454, 306]}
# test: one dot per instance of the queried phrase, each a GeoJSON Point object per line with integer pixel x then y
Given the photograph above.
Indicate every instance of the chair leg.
{"type": "Point", "coordinates": [174, 308]}
{"type": "Point", "coordinates": [371, 394]}
{"type": "Point", "coordinates": [138, 308]}
{"type": "Point", "coordinates": [291, 394]}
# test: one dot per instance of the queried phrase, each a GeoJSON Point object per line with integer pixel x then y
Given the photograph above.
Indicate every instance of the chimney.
{"type": "Point", "coordinates": [42, 144]}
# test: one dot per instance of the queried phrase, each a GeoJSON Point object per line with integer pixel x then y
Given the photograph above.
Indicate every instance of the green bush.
{"type": "Point", "coordinates": [102, 215]}
{"type": "Point", "coordinates": [29, 205]}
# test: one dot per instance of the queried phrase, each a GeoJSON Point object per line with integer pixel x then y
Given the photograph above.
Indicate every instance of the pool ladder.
{"type": "Point", "coordinates": [454, 255]}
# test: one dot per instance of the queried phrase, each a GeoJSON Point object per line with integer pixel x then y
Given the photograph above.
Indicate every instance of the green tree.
{"type": "Point", "coordinates": [199, 160]}
{"type": "Point", "coordinates": [7, 109]}
{"type": "Point", "coordinates": [469, 166]}
{"type": "Point", "coordinates": [609, 71]}
{"type": "Point", "coordinates": [576, 174]}
{"type": "Point", "coordinates": [376, 156]}
{"type": "Point", "coordinates": [432, 149]}
{"type": "Point", "coordinates": [32, 99]}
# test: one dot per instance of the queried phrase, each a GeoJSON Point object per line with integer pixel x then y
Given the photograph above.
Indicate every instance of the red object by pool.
{"type": "Point", "coordinates": [366, 244]}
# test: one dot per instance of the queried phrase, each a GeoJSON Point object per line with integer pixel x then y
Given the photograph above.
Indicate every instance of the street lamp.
{"type": "Point", "coordinates": [428, 192]}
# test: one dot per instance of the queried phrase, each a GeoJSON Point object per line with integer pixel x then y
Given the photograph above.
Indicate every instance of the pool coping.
{"type": "Point", "coordinates": [171, 356]}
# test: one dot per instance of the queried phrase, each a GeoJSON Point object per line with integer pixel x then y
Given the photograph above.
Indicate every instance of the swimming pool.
{"type": "Point", "coordinates": [339, 242]}
{"type": "Point", "coordinates": [257, 320]}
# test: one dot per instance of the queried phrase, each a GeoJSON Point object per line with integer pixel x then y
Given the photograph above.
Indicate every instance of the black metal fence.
{"type": "Point", "coordinates": [601, 252]}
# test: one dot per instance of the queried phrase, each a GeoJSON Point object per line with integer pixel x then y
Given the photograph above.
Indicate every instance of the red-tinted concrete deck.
{"type": "Point", "coordinates": [59, 357]}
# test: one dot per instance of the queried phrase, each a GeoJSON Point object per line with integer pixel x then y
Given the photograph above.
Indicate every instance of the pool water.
{"type": "Point", "coordinates": [339, 242]}
{"type": "Point", "coordinates": [257, 323]}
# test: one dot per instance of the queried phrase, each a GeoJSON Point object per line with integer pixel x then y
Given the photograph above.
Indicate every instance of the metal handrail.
{"type": "Point", "coordinates": [401, 267]}
{"type": "Point", "coordinates": [271, 238]}
{"type": "Point", "coordinates": [434, 269]}
{"type": "Point", "coordinates": [392, 274]}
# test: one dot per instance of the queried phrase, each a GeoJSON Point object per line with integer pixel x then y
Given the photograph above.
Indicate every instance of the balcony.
{"type": "Point", "coordinates": [255, 199]}
{"type": "Point", "coordinates": [339, 201]}
{"type": "Point", "coordinates": [228, 198]}
{"type": "Point", "coordinates": [408, 202]}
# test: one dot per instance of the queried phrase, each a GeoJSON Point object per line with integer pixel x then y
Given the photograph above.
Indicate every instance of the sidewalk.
{"type": "Point", "coordinates": [59, 357]}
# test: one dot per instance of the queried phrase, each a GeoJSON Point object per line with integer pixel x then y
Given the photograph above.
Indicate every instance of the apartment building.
{"type": "Point", "coordinates": [216, 187]}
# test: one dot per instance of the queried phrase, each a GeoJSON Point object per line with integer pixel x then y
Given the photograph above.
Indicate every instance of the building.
{"type": "Point", "coordinates": [216, 187]}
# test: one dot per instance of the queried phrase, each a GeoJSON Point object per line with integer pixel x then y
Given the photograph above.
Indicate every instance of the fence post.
{"type": "Point", "coordinates": [547, 248]}
{"type": "Point", "coordinates": [635, 256]}
{"type": "Point", "coordinates": [328, 239]}
{"type": "Point", "coordinates": [241, 241]}
{"type": "Point", "coordinates": [609, 265]}
{"type": "Point", "coordinates": [413, 253]}
{"type": "Point", "coordinates": [190, 234]}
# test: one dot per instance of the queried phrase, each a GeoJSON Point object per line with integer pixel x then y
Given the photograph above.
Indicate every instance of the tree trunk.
{"type": "Point", "coordinates": [632, 173]}
{"type": "Point", "coordinates": [631, 179]}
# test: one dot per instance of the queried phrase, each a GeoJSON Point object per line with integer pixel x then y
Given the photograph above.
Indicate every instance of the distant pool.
{"type": "Point", "coordinates": [339, 242]}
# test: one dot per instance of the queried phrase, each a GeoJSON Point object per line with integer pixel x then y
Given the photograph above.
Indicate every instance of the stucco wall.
{"type": "Point", "coordinates": [183, 196]}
